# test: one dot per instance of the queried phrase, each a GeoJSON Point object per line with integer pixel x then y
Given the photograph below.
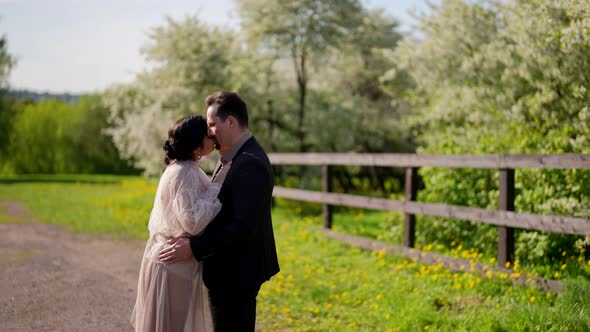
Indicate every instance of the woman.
{"type": "Point", "coordinates": [171, 296]}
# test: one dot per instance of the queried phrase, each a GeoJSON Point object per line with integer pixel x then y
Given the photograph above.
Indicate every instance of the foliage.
{"type": "Point", "coordinates": [502, 77]}
{"type": "Point", "coordinates": [302, 30]}
{"type": "Point", "coordinates": [56, 137]}
{"type": "Point", "coordinates": [256, 62]}
{"type": "Point", "coordinates": [7, 62]}
{"type": "Point", "coordinates": [7, 106]}
{"type": "Point", "coordinates": [183, 74]}
{"type": "Point", "coordinates": [190, 60]}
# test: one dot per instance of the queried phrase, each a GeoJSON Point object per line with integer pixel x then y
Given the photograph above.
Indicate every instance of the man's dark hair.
{"type": "Point", "coordinates": [227, 103]}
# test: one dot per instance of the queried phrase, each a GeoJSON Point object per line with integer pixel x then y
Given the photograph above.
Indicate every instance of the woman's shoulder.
{"type": "Point", "coordinates": [181, 169]}
{"type": "Point", "coordinates": [183, 165]}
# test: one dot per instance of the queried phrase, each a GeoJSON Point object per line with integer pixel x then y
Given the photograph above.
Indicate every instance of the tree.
{"type": "Point", "coordinates": [8, 107]}
{"type": "Point", "coordinates": [302, 30]}
{"type": "Point", "coordinates": [503, 77]}
{"type": "Point", "coordinates": [56, 137]}
{"type": "Point", "coordinates": [360, 110]}
{"type": "Point", "coordinates": [7, 62]}
{"type": "Point", "coordinates": [190, 60]}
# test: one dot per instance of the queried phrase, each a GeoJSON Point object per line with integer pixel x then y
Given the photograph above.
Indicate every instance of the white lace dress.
{"type": "Point", "coordinates": [172, 296]}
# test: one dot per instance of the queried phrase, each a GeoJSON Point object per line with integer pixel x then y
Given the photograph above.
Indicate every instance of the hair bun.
{"type": "Point", "coordinates": [170, 153]}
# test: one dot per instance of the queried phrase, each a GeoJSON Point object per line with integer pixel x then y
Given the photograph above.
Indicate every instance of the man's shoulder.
{"type": "Point", "coordinates": [251, 158]}
{"type": "Point", "coordinates": [252, 153]}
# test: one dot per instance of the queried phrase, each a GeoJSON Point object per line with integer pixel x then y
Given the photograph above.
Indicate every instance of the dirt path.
{"type": "Point", "coordinates": [53, 280]}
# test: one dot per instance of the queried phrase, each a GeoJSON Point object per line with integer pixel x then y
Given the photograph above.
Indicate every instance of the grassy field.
{"type": "Point", "coordinates": [323, 285]}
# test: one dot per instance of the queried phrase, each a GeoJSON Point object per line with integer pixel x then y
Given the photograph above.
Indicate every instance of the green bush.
{"type": "Point", "coordinates": [56, 137]}
{"type": "Point", "coordinates": [503, 78]}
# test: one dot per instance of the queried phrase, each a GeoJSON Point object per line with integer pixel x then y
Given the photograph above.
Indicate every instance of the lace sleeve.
{"type": "Point", "coordinates": [194, 210]}
{"type": "Point", "coordinates": [212, 192]}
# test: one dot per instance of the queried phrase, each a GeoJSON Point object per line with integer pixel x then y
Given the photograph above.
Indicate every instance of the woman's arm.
{"type": "Point", "coordinates": [194, 209]}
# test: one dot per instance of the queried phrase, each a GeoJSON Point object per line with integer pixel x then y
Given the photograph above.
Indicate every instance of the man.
{"type": "Point", "coordinates": [238, 247]}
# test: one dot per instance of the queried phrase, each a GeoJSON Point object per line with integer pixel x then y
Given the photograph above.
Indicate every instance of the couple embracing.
{"type": "Point", "coordinates": [211, 243]}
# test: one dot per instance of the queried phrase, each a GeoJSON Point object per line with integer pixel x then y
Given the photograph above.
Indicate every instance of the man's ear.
{"type": "Point", "coordinates": [231, 121]}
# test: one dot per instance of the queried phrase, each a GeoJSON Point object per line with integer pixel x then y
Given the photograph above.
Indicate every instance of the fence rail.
{"type": "Point", "coordinates": [555, 224]}
{"type": "Point", "coordinates": [566, 160]}
{"type": "Point", "coordinates": [504, 218]}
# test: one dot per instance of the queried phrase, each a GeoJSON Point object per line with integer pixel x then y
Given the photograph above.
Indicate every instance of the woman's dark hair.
{"type": "Point", "coordinates": [228, 103]}
{"type": "Point", "coordinates": [184, 136]}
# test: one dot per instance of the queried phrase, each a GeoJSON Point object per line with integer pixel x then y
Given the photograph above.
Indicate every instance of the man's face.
{"type": "Point", "coordinates": [218, 130]}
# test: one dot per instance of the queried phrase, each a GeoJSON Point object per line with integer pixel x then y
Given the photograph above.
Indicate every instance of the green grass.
{"type": "Point", "coordinates": [387, 226]}
{"type": "Point", "coordinates": [115, 205]}
{"type": "Point", "coordinates": [324, 285]}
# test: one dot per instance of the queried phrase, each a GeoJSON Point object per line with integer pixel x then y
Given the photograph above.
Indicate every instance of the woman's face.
{"type": "Point", "coordinates": [207, 146]}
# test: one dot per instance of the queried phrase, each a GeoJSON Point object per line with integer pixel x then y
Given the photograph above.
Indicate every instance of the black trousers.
{"type": "Point", "coordinates": [233, 310]}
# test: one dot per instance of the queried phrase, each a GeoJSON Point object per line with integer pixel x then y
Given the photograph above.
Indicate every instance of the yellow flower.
{"type": "Point", "coordinates": [426, 328]}
{"type": "Point", "coordinates": [564, 266]}
{"type": "Point", "coordinates": [533, 299]}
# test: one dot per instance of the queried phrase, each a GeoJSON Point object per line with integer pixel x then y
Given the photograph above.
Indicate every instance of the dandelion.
{"type": "Point", "coordinates": [533, 299]}
{"type": "Point", "coordinates": [564, 266]}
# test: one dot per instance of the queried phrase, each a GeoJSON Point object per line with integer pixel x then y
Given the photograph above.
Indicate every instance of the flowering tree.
{"type": "Point", "coordinates": [503, 77]}
{"type": "Point", "coordinates": [189, 61]}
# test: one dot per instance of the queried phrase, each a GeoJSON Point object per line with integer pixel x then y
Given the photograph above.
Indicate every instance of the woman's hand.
{"type": "Point", "coordinates": [179, 249]}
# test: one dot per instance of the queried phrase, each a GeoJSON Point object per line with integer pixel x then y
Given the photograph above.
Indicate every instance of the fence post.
{"type": "Point", "coordinates": [506, 234]}
{"type": "Point", "coordinates": [327, 187]}
{"type": "Point", "coordinates": [410, 219]}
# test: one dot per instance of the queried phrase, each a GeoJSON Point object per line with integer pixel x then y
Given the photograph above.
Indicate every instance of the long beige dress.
{"type": "Point", "coordinates": [171, 296]}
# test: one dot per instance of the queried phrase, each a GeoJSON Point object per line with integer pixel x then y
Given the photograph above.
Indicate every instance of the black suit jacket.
{"type": "Point", "coordinates": [238, 247]}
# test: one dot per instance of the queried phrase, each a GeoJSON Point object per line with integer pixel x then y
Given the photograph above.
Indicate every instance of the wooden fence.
{"type": "Point", "coordinates": [504, 218]}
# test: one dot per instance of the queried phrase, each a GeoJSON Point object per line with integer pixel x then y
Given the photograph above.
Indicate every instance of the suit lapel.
{"type": "Point", "coordinates": [251, 141]}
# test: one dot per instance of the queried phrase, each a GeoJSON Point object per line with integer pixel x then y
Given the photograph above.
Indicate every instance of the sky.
{"type": "Point", "coordinates": [81, 46]}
